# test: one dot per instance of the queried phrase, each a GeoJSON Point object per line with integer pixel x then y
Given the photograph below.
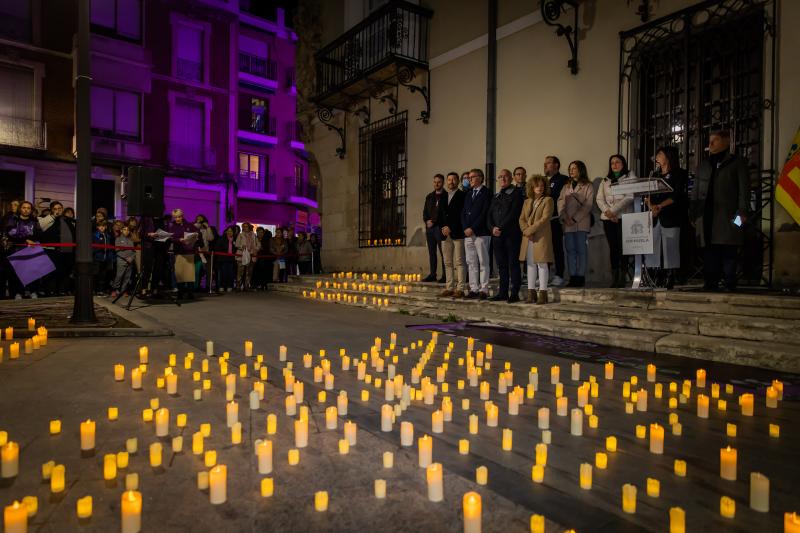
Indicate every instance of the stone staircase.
{"type": "Point", "coordinates": [749, 329]}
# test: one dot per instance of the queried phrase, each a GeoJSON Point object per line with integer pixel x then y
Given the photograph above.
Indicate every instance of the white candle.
{"type": "Point", "coordinates": [301, 433]}
{"type": "Point", "coordinates": [331, 418]}
{"type": "Point", "coordinates": [471, 504]}
{"type": "Point", "coordinates": [341, 403]}
{"type": "Point", "coordinates": [282, 353]}
{"type": "Point", "coordinates": [387, 412]}
{"type": "Point", "coordinates": [162, 422]}
{"type": "Point", "coordinates": [759, 492]}
{"type": "Point", "coordinates": [131, 509]}
{"type": "Point", "coordinates": [136, 379]}
{"type": "Point", "coordinates": [218, 484]}
{"type": "Point", "coordinates": [87, 435]}
{"type": "Point", "coordinates": [380, 489]}
{"type": "Point", "coordinates": [433, 474]}
{"type": "Point", "coordinates": [248, 348]}
{"type": "Point", "coordinates": [172, 384]}
{"type": "Point", "coordinates": [255, 402]}
{"type": "Point", "coordinates": [576, 371]}
{"type": "Point", "coordinates": [576, 422]}
{"type": "Point", "coordinates": [351, 432]}
{"type": "Point", "coordinates": [437, 422]}
{"type": "Point", "coordinates": [15, 518]}
{"type": "Point", "coordinates": [10, 460]}
{"type": "Point", "coordinates": [544, 418]}
{"type": "Point", "coordinates": [425, 450]}
{"type": "Point", "coordinates": [406, 434]}
{"type": "Point", "coordinates": [264, 455]}
{"type": "Point", "coordinates": [232, 411]}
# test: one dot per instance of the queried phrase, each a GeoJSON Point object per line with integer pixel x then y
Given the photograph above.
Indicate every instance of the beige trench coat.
{"type": "Point", "coordinates": [535, 226]}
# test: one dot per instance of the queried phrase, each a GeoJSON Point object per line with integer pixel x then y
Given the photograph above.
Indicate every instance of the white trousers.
{"type": "Point", "coordinates": [540, 270]}
{"type": "Point", "coordinates": [666, 244]}
{"type": "Point", "coordinates": [477, 249]}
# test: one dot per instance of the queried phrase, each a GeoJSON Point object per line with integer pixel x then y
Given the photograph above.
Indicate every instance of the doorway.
{"type": "Point", "coordinates": [12, 187]}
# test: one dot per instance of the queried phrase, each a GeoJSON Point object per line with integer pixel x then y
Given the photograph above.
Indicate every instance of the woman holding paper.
{"type": "Point", "coordinates": [185, 240]}
{"type": "Point", "coordinates": [248, 246]}
{"type": "Point", "coordinates": [612, 207]}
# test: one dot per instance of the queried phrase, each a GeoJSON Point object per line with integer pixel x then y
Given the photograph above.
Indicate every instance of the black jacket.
{"type": "Point", "coordinates": [433, 204]}
{"type": "Point", "coordinates": [450, 214]}
{"type": "Point", "coordinates": [505, 210]}
{"type": "Point", "coordinates": [473, 215]}
{"type": "Point", "coordinates": [675, 214]}
{"type": "Point", "coordinates": [557, 182]}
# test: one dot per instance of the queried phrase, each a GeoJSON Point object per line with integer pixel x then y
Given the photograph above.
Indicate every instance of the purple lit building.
{"type": "Point", "coordinates": [203, 89]}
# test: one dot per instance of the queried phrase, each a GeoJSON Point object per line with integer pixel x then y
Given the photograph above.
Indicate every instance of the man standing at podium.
{"type": "Point", "coordinates": [718, 207]}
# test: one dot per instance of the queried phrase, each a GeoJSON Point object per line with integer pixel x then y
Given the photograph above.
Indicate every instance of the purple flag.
{"type": "Point", "coordinates": [31, 263]}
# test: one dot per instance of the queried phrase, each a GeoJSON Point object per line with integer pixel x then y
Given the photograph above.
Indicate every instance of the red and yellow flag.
{"type": "Point", "coordinates": [787, 191]}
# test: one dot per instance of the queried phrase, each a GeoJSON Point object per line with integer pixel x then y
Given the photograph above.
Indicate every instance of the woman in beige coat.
{"type": "Point", "coordinates": [537, 241]}
{"type": "Point", "coordinates": [575, 210]}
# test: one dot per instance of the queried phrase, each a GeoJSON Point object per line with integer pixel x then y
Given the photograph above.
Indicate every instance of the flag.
{"type": "Point", "coordinates": [787, 191]}
{"type": "Point", "coordinates": [30, 264]}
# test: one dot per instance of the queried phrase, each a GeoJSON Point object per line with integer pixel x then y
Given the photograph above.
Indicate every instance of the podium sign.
{"type": "Point", "coordinates": [637, 233]}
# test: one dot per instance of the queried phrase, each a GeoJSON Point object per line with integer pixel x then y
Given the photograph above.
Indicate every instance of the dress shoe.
{"type": "Point", "coordinates": [443, 280]}
{"type": "Point", "coordinates": [430, 279]}
{"type": "Point", "coordinates": [458, 294]}
{"type": "Point", "coordinates": [483, 295]}
{"type": "Point", "coordinates": [445, 293]}
{"type": "Point", "coordinates": [471, 295]}
{"type": "Point", "coordinates": [514, 298]}
{"type": "Point", "coordinates": [531, 297]}
{"type": "Point", "coordinates": [498, 298]}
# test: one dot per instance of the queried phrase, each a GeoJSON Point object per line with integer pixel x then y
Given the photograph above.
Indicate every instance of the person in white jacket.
{"type": "Point", "coordinates": [612, 207]}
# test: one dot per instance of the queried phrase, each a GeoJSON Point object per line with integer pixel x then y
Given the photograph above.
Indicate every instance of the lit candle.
{"type": "Point", "coordinates": [131, 512]}
{"type": "Point", "coordinates": [58, 479]}
{"type": "Point", "coordinates": [544, 418]}
{"type": "Point", "coordinates": [772, 397]}
{"type": "Point", "coordinates": [651, 373]}
{"type": "Point", "coordinates": [507, 442]}
{"type": "Point", "coordinates": [209, 348]}
{"type": "Point", "coordinates": [537, 523]}
{"type": "Point", "coordinates": [601, 460]}
{"type": "Point", "coordinates": [575, 371]}
{"type": "Point", "coordinates": [264, 455]}
{"type": "Point", "coordinates": [197, 443]}
{"type": "Point", "coordinates": [406, 434]}
{"type": "Point", "coordinates": [677, 520]}
{"type": "Point", "coordinates": [641, 431]}
{"type": "Point", "coordinates": [702, 406]}
{"type": "Point", "coordinates": [55, 427]}
{"type": "Point", "coordinates": [87, 435]}
{"type": "Point", "coordinates": [656, 439]}
{"type": "Point", "coordinates": [172, 384]}
{"type": "Point", "coordinates": [387, 412]}
{"type": "Point", "coordinates": [132, 445]}
{"type": "Point", "coordinates": [162, 422]}
{"type": "Point", "coordinates": [351, 432]}
{"type": "Point", "coordinates": [84, 507]}
{"type": "Point", "coordinates": [463, 446]}
{"type": "Point", "coordinates": [218, 484]}
{"type": "Point", "coordinates": [177, 444]}
{"type": "Point", "coordinates": [611, 443]}
{"type": "Point", "coordinates": [119, 372]}
{"type": "Point", "coordinates": [746, 402]}
{"type": "Point", "coordinates": [561, 406]}
{"type": "Point", "coordinates": [471, 503]}
{"type": "Point", "coordinates": [555, 372]}
{"type": "Point", "coordinates": [576, 422]}
{"type": "Point", "coordinates": [122, 459]}
{"type": "Point", "coordinates": [541, 454]}
{"type": "Point", "coordinates": [425, 451]}
{"type": "Point", "coordinates": [301, 433]}
{"type": "Point", "coordinates": [481, 475]}
{"type": "Point", "coordinates": [272, 424]}
{"type": "Point", "coordinates": [437, 421]}
{"type": "Point", "coordinates": [680, 468]}
{"type": "Point", "coordinates": [727, 463]}
{"type": "Point", "coordinates": [629, 498]}
{"type": "Point", "coordinates": [155, 454]}
{"type": "Point", "coordinates": [759, 492]}
{"type": "Point", "coordinates": [13, 350]}
{"type": "Point", "coordinates": [236, 433]}
{"type": "Point", "coordinates": [537, 473]}
{"type": "Point", "coordinates": [791, 523]}
{"type": "Point", "coordinates": [202, 480]}
{"type": "Point", "coordinates": [344, 447]}
{"type": "Point", "coordinates": [282, 353]}
{"type": "Point", "coordinates": [331, 417]}
{"type": "Point", "coordinates": [433, 474]}
{"type": "Point", "coordinates": [267, 487]}
{"type": "Point", "coordinates": [232, 411]}
{"type": "Point", "coordinates": [109, 466]}
{"type": "Point", "coordinates": [491, 416]}
{"type": "Point", "coordinates": [585, 475]}
{"type": "Point", "coordinates": [641, 400]}
{"type": "Point", "coordinates": [653, 487]}
{"type": "Point", "coordinates": [701, 378]}
{"type": "Point", "coordinates": [15, 518]}
{"type": "Point", "coordinates": [727, 507]}
{"type": "Point", "coordinates": [321, 501]}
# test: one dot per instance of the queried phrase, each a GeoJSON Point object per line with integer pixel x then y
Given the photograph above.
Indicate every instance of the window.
{"type": "Point", "coordinates": [253, 172]}
{"type": "Point", "coordinates": [15, 20]}
{"type": "Point", "coordinates": [382, 182]}
{"type": "Point", "coordinates": [116, 113]}
{"type": "Point", "coordinates": [189, 52]}
{"type": "Point", "coordinates": [118, 18]}
{"type": "Point", "coordinates": [187, 135]}
{"type": "Point", "coordinates": [258, 115]}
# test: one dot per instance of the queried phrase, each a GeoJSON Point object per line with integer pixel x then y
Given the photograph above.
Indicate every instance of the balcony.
{"type": "Point", "coordinates": [119, 149]}
{"type": "Point", "coordinates": [301, 192]}
{"type": "Point", "coordinates": [294, 135]}
{"type": "Point", "coordinates": [23, 132]}
{"type": "Point", "coordinates": [253, 181]}
{"type": "Point", "coordinates": [192, 156]}
{"type": "Point", "coordinates": [264, 134]}
{"type": "Point", "coordinates": [258, 71]}
{"type": "Point", "coordinates": [374, 53]}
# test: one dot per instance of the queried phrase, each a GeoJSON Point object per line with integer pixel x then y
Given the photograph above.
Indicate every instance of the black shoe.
{"type": "Point", "coordinates": [431, 278]}
{"type": "Point", "coordinates": [497, 298]}
{"type": "Point", "coordinates": [482, 295]}
{"type": "Point", "coordinates": [471, 295]}
{"type": "Point", "coordinates": [573, 280]}
{"type": "Point", "coordinates": [442, 280]}
{"type": "Point", "coordinates": [513, 299]}
{"type": "Point", "coordinates": [580, 281]}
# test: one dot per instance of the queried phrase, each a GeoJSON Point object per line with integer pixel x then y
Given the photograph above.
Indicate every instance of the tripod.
{"type": "Point", "coordinates": [139, 278]}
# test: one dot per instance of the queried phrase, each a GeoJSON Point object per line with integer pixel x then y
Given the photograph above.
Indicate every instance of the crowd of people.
{"type": "Point", "coordinates": [165, 254]}
{"type": "Point", "coordinates": [545, 220]}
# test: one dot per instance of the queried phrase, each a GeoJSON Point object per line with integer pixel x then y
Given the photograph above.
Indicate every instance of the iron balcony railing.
{"type": "Point", "coordinates": [192, 156]}
{"type": "Point", "coordinates": [23, 132]}
{"type": "Point", "coordinates": [263, 125]}
{"type": "Point", "coordinates": [258, 66]}
{"type": "Point", "coordinates": [254, 181]}
{"type": "Point", "coordinates": [301, 188]}
{"type": "Point", "coordinates": [397, 32]}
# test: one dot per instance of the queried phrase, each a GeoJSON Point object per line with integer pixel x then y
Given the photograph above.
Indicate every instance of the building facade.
{"type": "Point", "coordinates": [647, 73]}
{"type": "Point", "coordinates": [202, 89]}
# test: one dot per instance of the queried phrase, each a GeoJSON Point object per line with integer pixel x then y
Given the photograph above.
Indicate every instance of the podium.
{"type": "Point", "coordinates": [640, 188]}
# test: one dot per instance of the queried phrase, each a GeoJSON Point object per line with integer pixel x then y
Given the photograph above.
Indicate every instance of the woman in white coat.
{"type": "Point", "coordinates": [612, 207]}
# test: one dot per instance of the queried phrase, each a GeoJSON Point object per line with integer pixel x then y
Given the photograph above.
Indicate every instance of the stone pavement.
{"type": "Point", "coordinates": [72, 379]}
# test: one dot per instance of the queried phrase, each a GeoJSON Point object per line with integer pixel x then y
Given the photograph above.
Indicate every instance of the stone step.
{"type": "Point", "coordinates": [774, 355]}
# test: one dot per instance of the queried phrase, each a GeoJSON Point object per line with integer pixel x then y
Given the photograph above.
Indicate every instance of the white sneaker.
{"type": "Point", "coordinates": [34, 295]}
{"type": "Point", "coordinates": [18, 297]}
{"type": "Point", "coordinates": [556, 281]}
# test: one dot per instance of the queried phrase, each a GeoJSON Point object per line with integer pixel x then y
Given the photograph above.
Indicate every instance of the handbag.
{"type": "Point", "coordinates": [245, 257]}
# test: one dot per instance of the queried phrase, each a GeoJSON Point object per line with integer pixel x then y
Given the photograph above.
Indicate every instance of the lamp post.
{"type": "Point", "coordinates": [83, 309]}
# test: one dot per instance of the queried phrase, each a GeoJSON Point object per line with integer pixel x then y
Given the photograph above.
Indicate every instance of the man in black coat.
{"type": "Point", "coordinates": [719, 206]}
{"type": "Point", "coordinates": [503, 221]}
{"type": "Point", "coordinates": [476, 235]}
{"type": "Point", "coordinates": [430, 215]}
{"type": "Point", "coordinates": [453, 239]}
{"type": "Point", "coordinates": [552, 165]}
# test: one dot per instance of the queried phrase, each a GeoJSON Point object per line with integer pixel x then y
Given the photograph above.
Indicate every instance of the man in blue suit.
{"type": "Point", "coordinates": [476, 235]}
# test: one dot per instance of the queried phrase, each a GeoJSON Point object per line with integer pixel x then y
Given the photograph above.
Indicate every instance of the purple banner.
{"type": "Point", "coordinates": [31, 263]}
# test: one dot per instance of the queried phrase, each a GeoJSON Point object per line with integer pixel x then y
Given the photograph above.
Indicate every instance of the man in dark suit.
{"type": "Point", "coordinates": [503, 221]}
{"type": "Point", "coordinates": [453, 239]}
{"type": "Point", "coordinates": [476, 235]}
{"type": "Point", "coordinates": [552, 165]}
{"type": "Point", "coordinates": [430, 214]}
